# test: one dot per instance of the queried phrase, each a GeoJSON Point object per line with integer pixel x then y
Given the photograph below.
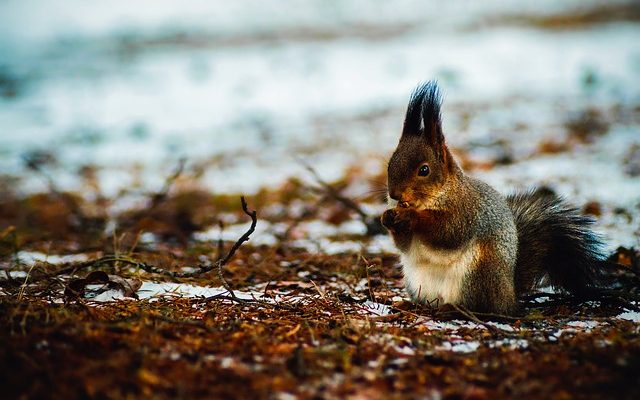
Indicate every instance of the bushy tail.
{"type": "Point", "coordinates": [555, 244]}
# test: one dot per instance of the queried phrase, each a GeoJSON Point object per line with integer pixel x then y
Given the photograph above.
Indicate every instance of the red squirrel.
{"type": "Point", "coordinates": [463, 243]}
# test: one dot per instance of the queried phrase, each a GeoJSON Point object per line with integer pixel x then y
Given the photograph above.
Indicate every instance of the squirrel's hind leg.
{"type": "Point", "coordinates": [489, 288]}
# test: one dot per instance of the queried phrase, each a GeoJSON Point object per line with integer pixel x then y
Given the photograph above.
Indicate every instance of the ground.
{"type": "Point", "coordinates": [132, 135]}
{"type": "Point", "coordinates": [297, 322]}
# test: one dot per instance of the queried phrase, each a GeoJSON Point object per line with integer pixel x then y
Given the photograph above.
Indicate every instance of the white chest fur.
{"type": "Point", "coordinates": [436, 274]}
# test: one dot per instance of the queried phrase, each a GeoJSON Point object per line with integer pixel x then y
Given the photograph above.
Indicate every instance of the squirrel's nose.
{"type": "Point", "coordinates": [395, 194]}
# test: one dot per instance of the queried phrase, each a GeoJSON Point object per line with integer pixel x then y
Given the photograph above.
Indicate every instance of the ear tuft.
{"type": "Point", "coordinates": [423, 114]}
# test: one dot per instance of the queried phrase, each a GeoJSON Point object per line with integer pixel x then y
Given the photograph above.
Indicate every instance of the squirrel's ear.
{"type": "Point", "coordinates": [423, 115]}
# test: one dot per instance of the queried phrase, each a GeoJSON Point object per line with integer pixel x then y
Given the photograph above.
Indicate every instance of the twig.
{"type": "Point", "coordinates": [201, 269]}
{"type": "Point", "coordinates": [246, 235]}
{"type": "Point", "coordinates": [623, 297]}
{"type": "Point", "coordinates": [306, 213]}
{"type": "Point", "coordinates": [469, 314]}
{"type": "Point", "coordinates": [246, 301]}
{"type": "Point", "coordinates": [372, 223]}
{"type": "Point", "coordinates": [154, 200]}
{"type": "Point", "coordinates": [72, 205]}
{"type": "Point", "coordinates": [503, 316]}
{"type": "Point", "coordinates": [159, 196]}
{"type": "Point", "coordinates": [220, 241]}
{"type": "Point", "coordinates": [11, 232]}
{"type": "Point", "coordinates": [237, 244]}
{"type": "Point", "coordinates": [6, 232]}
{"type": "Point", "coordinates": [334, 193]}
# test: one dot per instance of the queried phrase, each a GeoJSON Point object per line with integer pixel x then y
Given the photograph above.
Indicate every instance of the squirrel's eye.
{"type": "Point", "coordinates": [424, 170]}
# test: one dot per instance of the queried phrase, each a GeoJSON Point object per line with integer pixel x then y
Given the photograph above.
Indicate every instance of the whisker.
{"type": "Point", "coordinates": [373, 191]}
{"type": "Point", "coordinates": [377, 194]}
{"type": "Point", "coordinates": [378, 184]}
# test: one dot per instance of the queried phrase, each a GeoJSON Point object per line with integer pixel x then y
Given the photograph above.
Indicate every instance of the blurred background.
{"type": "Point", "coordinates": [545, 93]}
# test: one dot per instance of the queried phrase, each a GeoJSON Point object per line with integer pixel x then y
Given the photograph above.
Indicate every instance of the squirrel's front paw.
{"type": "Point", "coordinates": [388, 218]}
{"type": "Point", "coordinates": [396, 219]}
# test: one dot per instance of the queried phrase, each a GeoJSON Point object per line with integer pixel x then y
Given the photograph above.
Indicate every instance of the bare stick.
{"type": "Point", "coordinates": [470, 315]}
{"type": "Point", "coordinates": [201, 269]}
{"type": "Point", "coordinates": [74, 208]}
{"type": "Point", "coordinates": [245, 237]}
{"type": "Point", "coordinates": [350, 204]}
{"type": "Point", "coordinates": [252, 301]}
{"type": "Point", "coordinates": [372, 223]}
{"type": "Point", "coordinates": [160, 196]}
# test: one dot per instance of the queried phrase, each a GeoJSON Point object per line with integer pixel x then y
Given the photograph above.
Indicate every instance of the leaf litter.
{"type": "Point", "coordinates": [119, 316]}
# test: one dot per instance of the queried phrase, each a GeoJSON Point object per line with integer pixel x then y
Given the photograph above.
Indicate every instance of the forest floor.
{"type": "Point", "coordinates": [313, 307]}
{"type": "Point", "coordinates": [128, 142]}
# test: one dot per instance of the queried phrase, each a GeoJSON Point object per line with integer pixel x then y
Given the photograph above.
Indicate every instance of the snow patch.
{"type": "Point", "coordinates": [154, 290]}
{"type": "Point", "coordinates": [377, 308]}
{"type": "Point", "coordinates": [460, 346]}
{"type": "Point", "coordinates": [13, 274]}
{"type": "Point", "coordinates": [630, 315]}
{"type": "Point", "coordinates": [30, 258]}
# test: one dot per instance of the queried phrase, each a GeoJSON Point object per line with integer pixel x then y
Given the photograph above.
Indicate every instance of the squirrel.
{"type": "Point", "coordinates": [463, 243]}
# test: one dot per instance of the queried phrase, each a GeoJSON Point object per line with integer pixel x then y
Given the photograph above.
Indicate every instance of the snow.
{"type": "Point", "coordinates": [30, 258]}
{"type": "Point", "coordinates": [630, 315]}
{"type": "Point", "coordinates": [314, 236]}
{"type": "Point", "coordinates": [13, 274]}
{"type": "Point", "coordinates": [591, 173]}
{"type": "Point", "coordinates": [153, 290]}
{"type": "Point", "coordinates": [263, 234]}
{"type": "Point", "coordinates": [572, 327]}
{"type": "Point", "coordinates": [449, 325]}
{"type": "Point", "coordinates": [460, 346]}
{"type": "Point", "coordinates": [510, 343]}
{"type": "Point", "coordinates": [405, 350]}
{"type": "Point", "coordinates": [381, 244]}
{"type": "Point", "coordinates": [501, 326]}
{"type": "Point", "coordinates": [268, 95]}
{"type": "Point", "coordinates": [377, 308]}
{"type": "Point", "coordinates": [586, 325]}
